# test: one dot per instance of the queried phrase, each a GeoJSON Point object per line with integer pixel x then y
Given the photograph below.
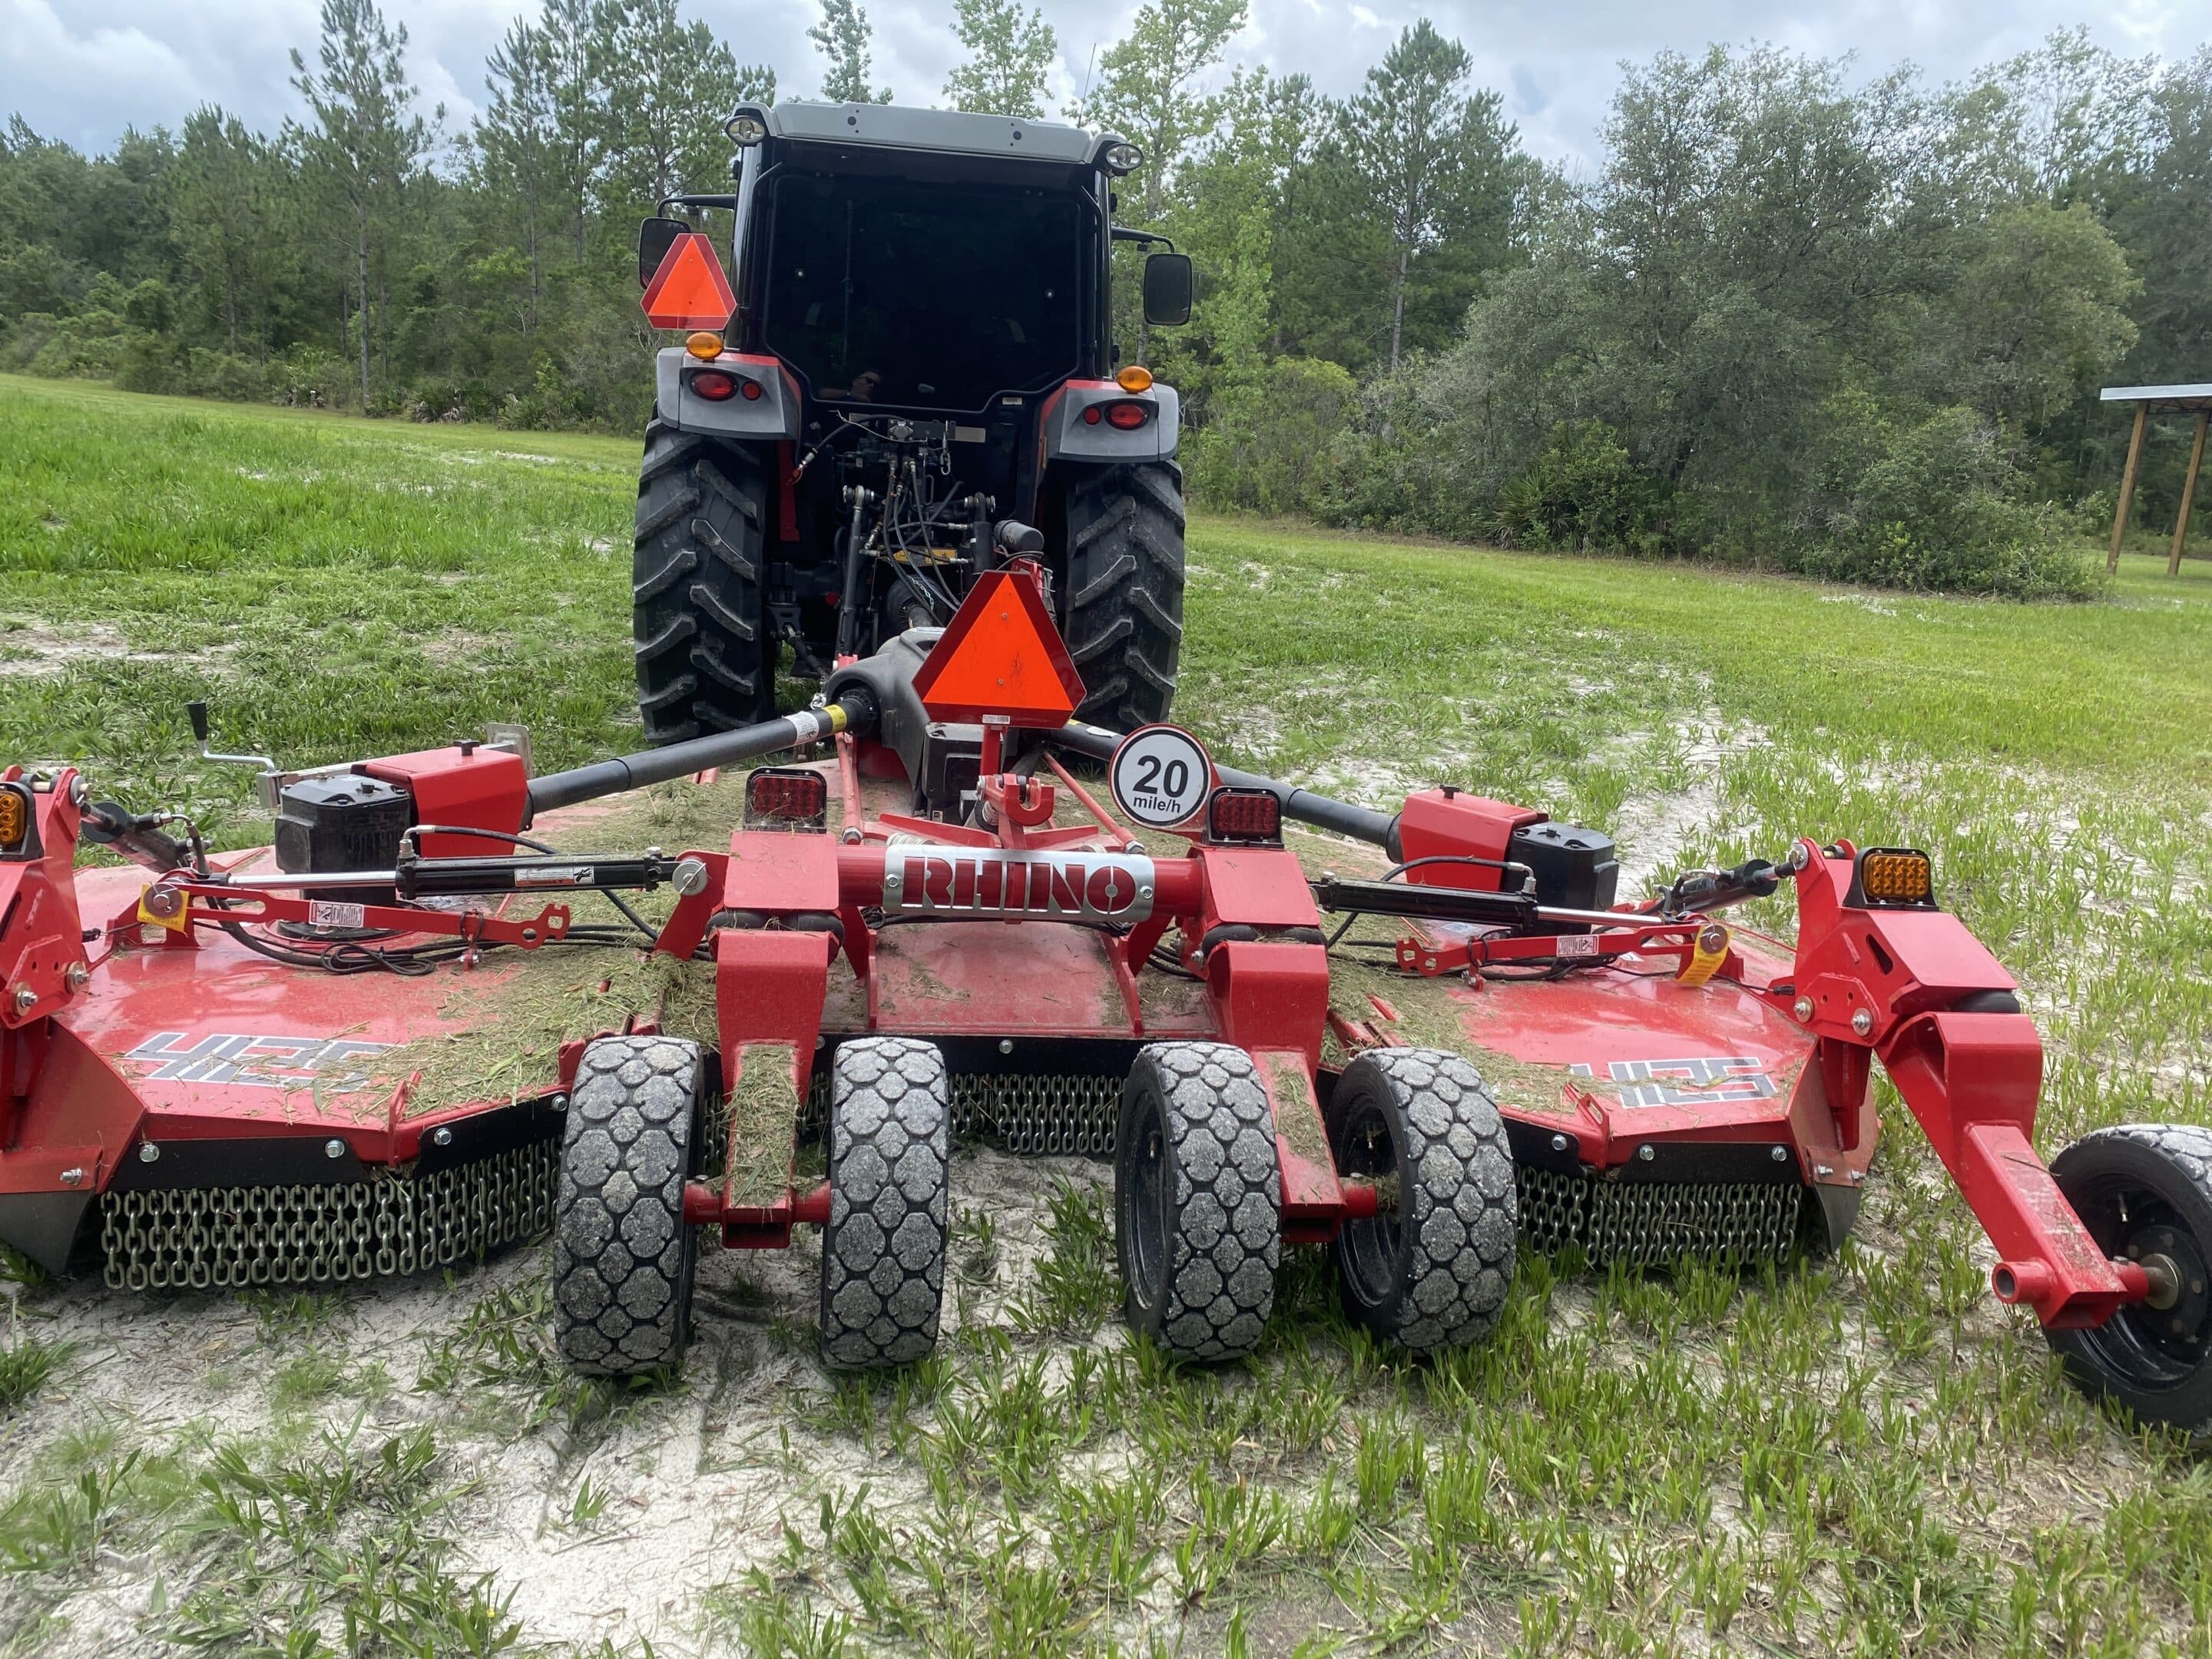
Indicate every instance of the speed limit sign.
{"type": "Point", "coordinates": [1161, 776]}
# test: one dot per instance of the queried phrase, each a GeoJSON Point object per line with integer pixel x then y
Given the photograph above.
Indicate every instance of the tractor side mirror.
{"type": "Point", "coordinates": [654, 238]}
{"type": "Point", "coordinates": [1168, 282]}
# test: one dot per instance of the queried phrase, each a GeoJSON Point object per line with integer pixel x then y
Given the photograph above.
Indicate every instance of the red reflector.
{"type": "Point", "coordinates": [715, 385]}
{"type": "Point", "coordinates": [1128, 416]}
{"type": "Point", "coordinates": [1244, 815]}
{"type": "Point", "coordinates": [1091, 415]}
{"type": "Point", "coordinates": [751, 389]}
{"type": "Point", "coordinates": [785, 798]}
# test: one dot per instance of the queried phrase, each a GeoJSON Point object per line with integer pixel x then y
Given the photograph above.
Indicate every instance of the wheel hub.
{"type": "Point", "coordinates": [2178, 1310]}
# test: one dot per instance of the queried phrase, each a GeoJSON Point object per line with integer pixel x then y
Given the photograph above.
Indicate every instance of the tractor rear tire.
{"type": "Point", "coordinates": [1433, 1271]}
{"type": "Point", "coordinates": [705, 660]}
{"type": "Point", "coordinates": [622, 1258]}
{"type": "Point", "coordinates": [1123, 612]}
{"type": "Point", "coordinates": [1198, 1196]}
{"type": "Point", "coordinates": [2144, 1191]}
{"type": "Point", "coordinates": [883, 1248]}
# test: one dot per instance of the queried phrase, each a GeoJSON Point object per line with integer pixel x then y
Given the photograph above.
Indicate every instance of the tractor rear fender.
{"type": "Point", "coordinates": [772, 415]}
{"type": "Point", "coordinates": [1066, 435]}
{"type": "Point", "coordinates": [1916, 988]}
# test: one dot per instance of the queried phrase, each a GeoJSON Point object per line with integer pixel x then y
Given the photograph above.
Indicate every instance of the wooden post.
{"type": "Point", "coordinates": [2128, 485]}
{"type": "Point", "coordinates": [2188, 493]}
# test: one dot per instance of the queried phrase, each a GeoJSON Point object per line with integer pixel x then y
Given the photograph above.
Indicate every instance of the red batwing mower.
{"type": "Point", "coordinates": [937, 929]}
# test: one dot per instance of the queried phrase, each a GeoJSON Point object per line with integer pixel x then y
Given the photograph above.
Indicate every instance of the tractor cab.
{"type": "Point", "coordinates": [913, 340]}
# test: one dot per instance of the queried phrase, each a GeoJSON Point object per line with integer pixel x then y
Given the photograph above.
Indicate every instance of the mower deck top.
{"type": "Point", "coordinates": [219, 1041]}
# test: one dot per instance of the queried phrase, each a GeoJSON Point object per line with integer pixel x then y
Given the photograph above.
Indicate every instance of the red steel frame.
{"type": "Point", "coordinates": [1864, 983]}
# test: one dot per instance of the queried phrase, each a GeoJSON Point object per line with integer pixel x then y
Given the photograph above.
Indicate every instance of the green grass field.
{"type": "Point", "coordinates": [1862, 1455]}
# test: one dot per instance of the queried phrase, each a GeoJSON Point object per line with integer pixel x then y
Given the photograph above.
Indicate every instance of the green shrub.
{"type": "Point", "coordinates": [1274, 444]}
{"type": "Point", "coordinates": [1932, 511]}
{"type": "Point", "coordinates": [1584, 492]}
{"type": "Point", "coordinates": [309, 377]}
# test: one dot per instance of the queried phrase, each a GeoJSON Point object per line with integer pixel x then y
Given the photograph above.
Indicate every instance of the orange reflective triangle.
{"type": "Point", "coordinates": [689, 290]}
{"type": "Point", "coordinates": [1000, 656]}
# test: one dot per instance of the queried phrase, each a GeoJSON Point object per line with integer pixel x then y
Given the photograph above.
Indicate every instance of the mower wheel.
{"type": "Point", "coordinates": [883, 1248]}
{"type": "Point", "coordinates": [622, 1258]}
{"type": "Point", "coordinates": [1430, 1270]}
{"type": "Point", "coordinates": [706, 661]}
{"type": "Point", "coordinates": [1125, 580]}
{"type": "Point", "coordinates": [1198, 1193]}
{"type": "Point", "coordinates": [2144, 1191]}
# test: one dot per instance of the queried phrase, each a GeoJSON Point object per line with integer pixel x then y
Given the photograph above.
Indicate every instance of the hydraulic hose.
{"type": "Point", "coordinates": [1339, 816]}
{"type": "Point", "coordinates": [854, 711]}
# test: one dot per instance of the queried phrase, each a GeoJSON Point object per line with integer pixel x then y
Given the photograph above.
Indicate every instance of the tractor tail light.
{"type": "Point", "coordinates": [1091, 415]}
{"type": "Point", "coordinates": [715, 385]}
{"type": "Point", "coordinates": [751, 390]}
{"type": "Point", "coordinates": [1899, 878]}
{"type": "Point", "coordinates": [1244, 815]}
{"type": "Point", "coordinates": [1127, 416]}
{"type": "Point", "coordinates": [787, 798]}
{"type": "Point", "coordinates": [14, 820]}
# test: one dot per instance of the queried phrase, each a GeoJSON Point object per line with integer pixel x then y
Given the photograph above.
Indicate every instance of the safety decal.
{"type": "Point", "coordinates": [1702, 1081]}
{"type": "Point", "coordinates": [254, 1059]}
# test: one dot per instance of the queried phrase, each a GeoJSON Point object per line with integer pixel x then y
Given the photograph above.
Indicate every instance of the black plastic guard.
{"type": "Point", "coordinates": [43, 1226]}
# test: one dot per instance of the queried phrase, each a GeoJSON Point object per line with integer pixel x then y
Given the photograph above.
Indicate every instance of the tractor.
{"type": "Point", "coordinates": [918, 345]}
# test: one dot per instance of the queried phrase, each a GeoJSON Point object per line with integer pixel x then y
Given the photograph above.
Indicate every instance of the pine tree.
{"type": "Point", "coordinates": [218, 202]}
{"type": "Point", "coordinates": [1147, 92]}
{"type": "Point", "coordinates": [1008, 57]}
{"type": "Point", "coordinates": [367, 145]}
{"type": "Point", "coordinates": [517, 143]}
{"type": "Point", "coordinates": [843, 37]}
{"type": "Point", "coordinates": [567, 34]}
{"type": "Point", "coordinates": [669, 85]}
{"type": "Point", "coordinates": [1419, 145]}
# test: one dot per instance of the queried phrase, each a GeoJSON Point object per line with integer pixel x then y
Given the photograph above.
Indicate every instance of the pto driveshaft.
{"type": "Point", "coordinates": [854, 711]}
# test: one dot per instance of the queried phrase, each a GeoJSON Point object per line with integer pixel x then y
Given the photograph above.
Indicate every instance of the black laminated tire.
{"type": "Point", "coordinates": [623, 1257]}
{"type": "Point", "coordinates": [706, 661]}
{"type": "Point", "coordinates": [1197, 1195]}
{"type": "Point", "coordinates": [1123, 610]}
{"type": "Point", "coordinates": [1432, 1271]}
{"type": "Point", "coordinates": [2144, 1191]}
{"type": "Point", "coordinates": [883, 1249]}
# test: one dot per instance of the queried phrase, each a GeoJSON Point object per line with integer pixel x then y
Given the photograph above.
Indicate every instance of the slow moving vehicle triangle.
{"type": "Point", "coordinates": [689, 291]}
{"type": "Point", "coordinates": [1002, 656]}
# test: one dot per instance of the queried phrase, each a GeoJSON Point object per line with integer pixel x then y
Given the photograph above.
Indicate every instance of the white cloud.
{"type": "Point", "coordinates": [84, 77]}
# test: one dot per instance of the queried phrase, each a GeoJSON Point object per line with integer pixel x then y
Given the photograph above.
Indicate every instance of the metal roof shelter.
{"type": "Point", "coordinates": [2185, 399]}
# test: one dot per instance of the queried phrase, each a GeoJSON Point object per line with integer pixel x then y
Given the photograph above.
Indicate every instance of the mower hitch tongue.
{"type": "Point", "coordinates": [1461, 1046]}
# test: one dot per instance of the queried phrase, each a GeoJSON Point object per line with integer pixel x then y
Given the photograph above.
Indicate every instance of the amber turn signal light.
{"type": "Point", "coordinates": [1135, 378]}
{"type": "Point", "coordinates": [704, 345]}
{"type": "Point", "coordinates": [14, 820]}
{"type": "Point", "coordinates": [1898, 876]}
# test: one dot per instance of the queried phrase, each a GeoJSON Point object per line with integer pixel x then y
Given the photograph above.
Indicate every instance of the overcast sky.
{"type": "Point", "coordinates": [84, 70]}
